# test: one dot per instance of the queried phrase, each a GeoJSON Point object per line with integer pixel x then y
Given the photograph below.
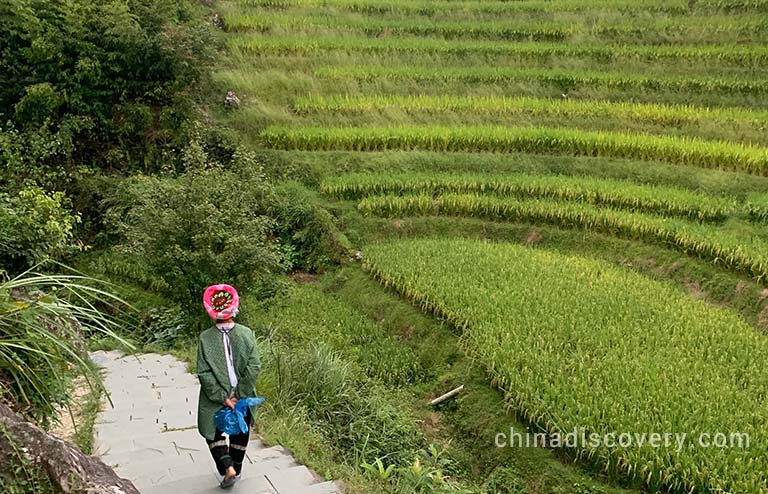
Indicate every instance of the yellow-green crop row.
{"type": "Point", "coordinates": [506, 31]}
{"type": "Point", "coordinates": [740, 55]}
{"type": "Point", "coordinates": [422, 7]}
{"type": "Point", "coordinates": [712, 28]}
{"type": "Point", "coordinates": [745, 28]}
{"type": "Point", "coordinates": [537, 140]}
{"type": "Point", "coordinates": [501, 105]}
{"type": "Point", "coordinates": [566, 80]}
{"type": "Point", "coordinates": [580, 345]}
{"type": "Point", "coordinates": [731, 249]}
{"type": "Point", "coordinates": [615, 193]}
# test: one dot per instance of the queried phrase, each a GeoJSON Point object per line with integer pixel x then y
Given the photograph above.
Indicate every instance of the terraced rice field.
{"type": "Point", "coordinates": [645, 120]}
{"type": "Point", "coordinates": [531, 318]}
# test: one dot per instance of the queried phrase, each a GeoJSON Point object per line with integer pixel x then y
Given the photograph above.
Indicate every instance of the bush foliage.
{"type": "Point", "coordinates": [210, 225]}
{"type": "Point", "coordinates": [40, 226]}
{"type": "Point", "coordinates": [95, 83]}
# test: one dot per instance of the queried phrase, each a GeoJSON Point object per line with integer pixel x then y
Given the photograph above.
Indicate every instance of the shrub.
{"type": "Point", "coordinates": [210, 225]}
{"type": "Point", "coordinates": [357, 414]}
{"type": "Point", "coordinates": [35, 226]}
{"type": "Point", "coordinates": [309, 237]}
{"type": "Point", "coordinates": [103, 74]}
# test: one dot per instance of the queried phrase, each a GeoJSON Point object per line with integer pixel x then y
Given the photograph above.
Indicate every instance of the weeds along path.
{"type": "Point", "coordinates": [149, 434]}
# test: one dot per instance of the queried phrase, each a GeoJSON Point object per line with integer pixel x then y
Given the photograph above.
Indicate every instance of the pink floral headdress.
{"type": "Point", "coordinates": [221, 301]}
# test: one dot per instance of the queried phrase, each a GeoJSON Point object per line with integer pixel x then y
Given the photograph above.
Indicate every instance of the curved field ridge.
{"type": "Point", "coordinates": [739, 55]}
{"type": "Point", "coordinates": [565, 80]}
{"type": "Point", "coordinates": [615, 193]}
{"type": "Point", "coordinates": [579, 344]}
{"type": "Point", "coordinates": [425, 7]}
{"type": "Point", "coordinates": [734, 250]}
{"type": "Point", "coordinates": [501, 105]}
{"type": "Point", "coordinates": [555, 32]}
{"type": "Point", "coordinates": [722, 29]}
{"type": "Point", "coordinates": [539, 140]}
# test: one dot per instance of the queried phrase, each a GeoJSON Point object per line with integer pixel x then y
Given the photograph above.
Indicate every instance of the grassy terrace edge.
{"type": "Point", "coordinates": [653, 113]}
{"type": "Point", "coordinates": [579, 376]}
{"type": "Point", "coordinates": [739, 55]}
{"type": "Point", "coordinates": [736, 253]}
{"type": "Point", "coordinates": [563, 79]}
{"type": "Point", "coordinates": [373, 6]}
{"type": "Point", "coordinates": [619, 194]}
{"type": "Point", "coordinates": [675, 150]}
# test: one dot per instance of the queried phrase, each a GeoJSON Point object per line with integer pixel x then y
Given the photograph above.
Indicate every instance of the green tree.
{"type": "Point", "coordinates": [34, 226]}
{"type": "Point", "coordinates": [211, 225]}
{"type": "Point", "coordinates": [106, 80]}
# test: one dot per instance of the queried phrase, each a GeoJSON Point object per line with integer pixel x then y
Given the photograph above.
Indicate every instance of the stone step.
{"type": "Point", "coordinates": [151, 437]}
{"type": "Point", "coordinates": [155, 464]}
{"type": "Point", "coordinates": [156, 415]}
{"type": "Point", "coordinates": [263, 454]}
{"type": "Point", "coordinates": [182, 466]}
{"type": "Point", "coordinates": [168, 441]}
{"type": "Point", "coordinates": [111, 414]}
{"type": "Point", "coordinates": [207, 484]}
{"type": "Point", "coordinates": [155, 455]}
{"type": "Point", "coordinates": [118, 431]}
{"type": "Point", "coordinates": [292, 479]}
{"type": "Point", "coordinates": [148, 400]}
{"type": "Point", "coordinates": [321, 488]}
{"type": "Point", "coordinates": [253, 485]}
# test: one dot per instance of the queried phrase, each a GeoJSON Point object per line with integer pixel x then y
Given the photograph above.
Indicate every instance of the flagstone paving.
{"type": "Point", "coordinates": [149, 435]}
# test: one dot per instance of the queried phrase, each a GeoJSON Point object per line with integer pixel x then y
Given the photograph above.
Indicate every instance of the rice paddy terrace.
{"type": "Point", "coordinates": [604, 125]}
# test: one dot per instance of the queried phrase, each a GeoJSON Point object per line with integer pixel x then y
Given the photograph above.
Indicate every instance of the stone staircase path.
{"type": "Point", "coordinates": [150, 437]}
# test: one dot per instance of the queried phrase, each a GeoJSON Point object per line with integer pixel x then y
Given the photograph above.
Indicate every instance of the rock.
{"type": "Point", "coordinates": [231, 100]}
{"type": "Point", "coordinates": [357, 256]}
{"type": "Point", "coordinates": [70, 471]}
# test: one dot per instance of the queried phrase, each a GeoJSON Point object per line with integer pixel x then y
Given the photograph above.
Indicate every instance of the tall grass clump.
{"type": "Point", "coordinates": [44, 320]}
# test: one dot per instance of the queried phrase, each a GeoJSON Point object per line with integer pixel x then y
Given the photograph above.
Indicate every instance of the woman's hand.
{"type": "Point", "coordinates": [230, 402]}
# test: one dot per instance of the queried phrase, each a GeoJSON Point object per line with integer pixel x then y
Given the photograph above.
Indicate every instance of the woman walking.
{"type": "Point", "coordinates": [227, 366]}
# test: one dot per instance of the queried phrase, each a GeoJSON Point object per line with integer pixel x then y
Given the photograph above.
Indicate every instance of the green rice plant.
{"type": "Point", "coordinates": [746, 28]}
{"type": "Point", "coordinates": [757, 206]}
{"type": "Point", "coordinates": [423, 7]}
{"type": "Point", "coordinates": [722, 55]}
{"type": "Point", "coordinates": [580, 345]}
{"type": "Point", "coordinates": [673, 115]}
{"type": "Point", "coordinates": [615, 193]}
{"type": "Point", "coordinates": [564, 80]}
{"type": "Point", "coordinates": [506, 31]}
{"type": "Point", "coordinates": [734, 250]}
{"type": "Point", "coordinates": [737, 5]}
{"type": "Point", "coordinates": [685, 151]}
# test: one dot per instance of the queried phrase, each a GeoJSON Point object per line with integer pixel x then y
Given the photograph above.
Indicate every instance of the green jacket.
{"type": "Point", "coordinates": [213, 375]}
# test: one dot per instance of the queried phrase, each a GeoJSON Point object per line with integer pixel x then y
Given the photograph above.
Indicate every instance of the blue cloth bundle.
{"type": "Point", "coordinates": [232, 422]}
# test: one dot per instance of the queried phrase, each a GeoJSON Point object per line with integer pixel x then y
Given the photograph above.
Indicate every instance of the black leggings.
{"type": "Point", "coordinates": [232, 455]}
